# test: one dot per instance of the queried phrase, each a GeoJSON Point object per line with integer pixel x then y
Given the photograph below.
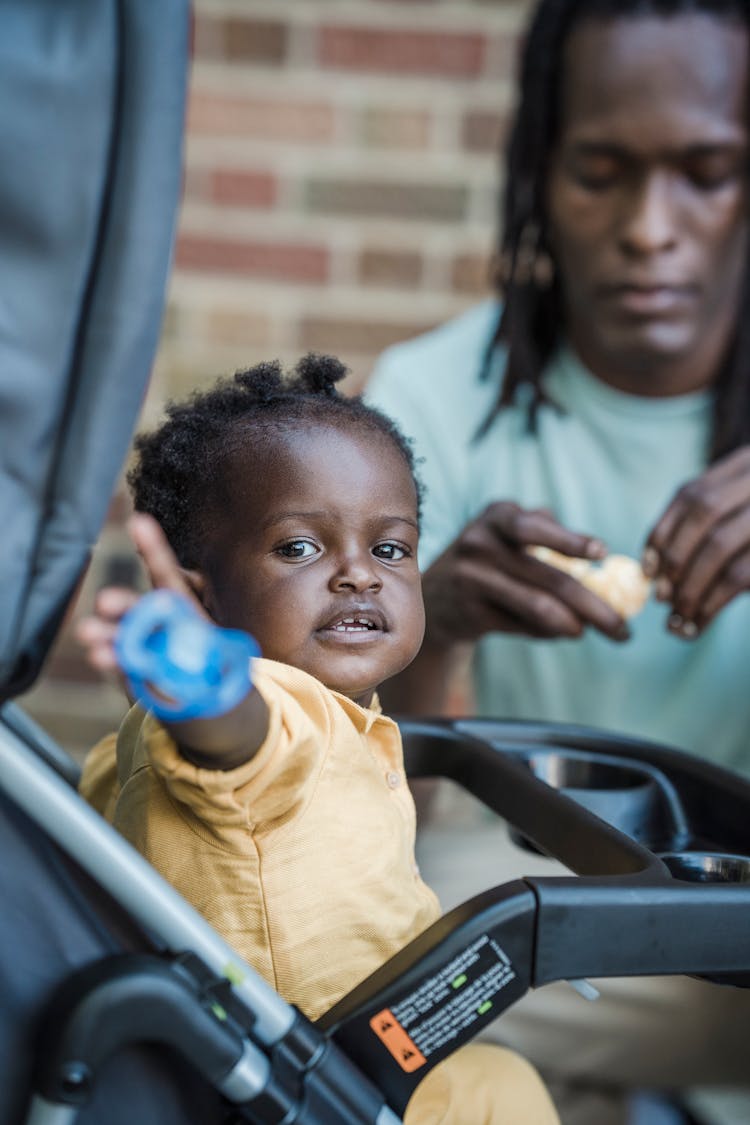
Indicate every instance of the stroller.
{"type": "Point", "coordinates": [120, 1003]}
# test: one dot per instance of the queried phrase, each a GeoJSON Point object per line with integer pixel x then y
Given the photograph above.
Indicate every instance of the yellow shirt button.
{"type": "Point", "coordinates": [393, 778]}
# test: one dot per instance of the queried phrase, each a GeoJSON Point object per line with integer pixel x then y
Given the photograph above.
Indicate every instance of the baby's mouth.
{"type": "Point", "coordinates": [359, 624]}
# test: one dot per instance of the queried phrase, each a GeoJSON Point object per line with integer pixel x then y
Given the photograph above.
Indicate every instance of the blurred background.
{"type": "Point", "coordinates": [340, 194]}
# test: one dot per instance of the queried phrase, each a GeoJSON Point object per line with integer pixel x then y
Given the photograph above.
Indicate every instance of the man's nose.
{"type": "Point", "coordinates": [356, 571]}
{"type": "Point", "coordinates": [651, 220]}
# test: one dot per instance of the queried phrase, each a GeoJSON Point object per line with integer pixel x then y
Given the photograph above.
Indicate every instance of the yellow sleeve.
{"type": "Point", "coordinates": [99, 784]}
{"type": "Point", "coordinates": [277, 781]}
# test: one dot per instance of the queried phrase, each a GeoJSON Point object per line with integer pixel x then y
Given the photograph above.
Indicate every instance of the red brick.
{"type": "Point", "coordinates": [438, 202]}
{"type": "Point", "coordinates": [470, 273]}
{"type": "Point", "coordinates": [244, 189]}
{"type": "Point", "coordinates": [240, 40]}
{"type": "Point", "coordinates": [483, 130]}
{"type": "Point", "coordinates": [267, 119]}
{"type": "Point", "coordinates": [340, 336]}
{"type": "Point", "coordinates": [503, 55]}
{"type": "Point", "coordinates": [226, 326]}
{"type": "Point", "coordinates": [395, 128]}
{"type": "Point", "coordinates": [277, 261]}
{"type": "Point", "coordinates": [452, 54]}
{"type": "Point", "coordinates": [401, 269]}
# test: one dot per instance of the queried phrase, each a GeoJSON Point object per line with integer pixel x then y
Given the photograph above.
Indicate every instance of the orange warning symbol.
{"type": "Point", "coordinates": [391, 1033]}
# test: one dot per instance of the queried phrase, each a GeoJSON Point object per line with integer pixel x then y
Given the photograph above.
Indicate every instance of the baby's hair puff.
{"type": "Point", "coordinates": [180, 470]}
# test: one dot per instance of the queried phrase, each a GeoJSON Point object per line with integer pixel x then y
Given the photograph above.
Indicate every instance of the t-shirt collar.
{"type": "Point", "coordinates": [574, 387]}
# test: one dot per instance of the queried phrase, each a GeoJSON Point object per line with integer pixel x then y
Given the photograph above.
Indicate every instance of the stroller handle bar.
{"type": "Point", "coordinates": [629, 912]}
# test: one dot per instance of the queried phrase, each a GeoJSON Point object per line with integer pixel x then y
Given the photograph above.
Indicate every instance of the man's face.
{"type": "Point", "coordinates": [647, 197]}
{"type": "Point", "coordinates": [317, 558]}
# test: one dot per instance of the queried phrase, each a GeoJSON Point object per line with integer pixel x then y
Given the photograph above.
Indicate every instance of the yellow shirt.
{"type": "Point", "coordinates": [303, 857]}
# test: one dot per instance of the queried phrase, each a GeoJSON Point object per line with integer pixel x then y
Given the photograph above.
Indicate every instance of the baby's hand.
{"type": "Point", "coordinates": [160, 560]}
{"type": "Point", "coordinates": [97, 632]}
{"type": "Point", "coordinates": [230, 721]}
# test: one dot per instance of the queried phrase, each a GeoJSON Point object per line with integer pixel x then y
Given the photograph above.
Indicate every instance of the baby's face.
{"type": "Point", "coordinates": [318, 557]}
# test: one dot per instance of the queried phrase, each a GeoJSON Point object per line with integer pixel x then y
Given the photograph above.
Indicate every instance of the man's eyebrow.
{"type": "Point", "coordinates": [720, 144]}
{"type": "Point", "coordinates": [587, 145]}
{"type": "Point", "coordinates": [590, 147]}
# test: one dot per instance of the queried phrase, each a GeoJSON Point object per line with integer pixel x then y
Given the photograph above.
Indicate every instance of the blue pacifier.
{"type": "Point", "coordinates": [179, 665]}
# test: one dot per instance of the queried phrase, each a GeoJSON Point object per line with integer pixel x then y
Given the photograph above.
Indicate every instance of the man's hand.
{"type": "Point", "coordinates": [699, 551]}
{"type": "Point", "coordinates": [487, 581]}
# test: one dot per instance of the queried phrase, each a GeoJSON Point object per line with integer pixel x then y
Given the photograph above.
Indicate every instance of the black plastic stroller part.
{"type": "Point", "coordinates": [626, 914]}
{"type": "Point", "coordinates": [693, 806]}
{"type": "Point", "coordinates": [54, 920]}
{"type": "Point", "coordinates": [664, 892]}
{"type": "Point", "coordinates": [137, 998]}
{"type": "Point", "coordinates": [130, 998]}
{"type": "Point", "coordinates": [440, 991]}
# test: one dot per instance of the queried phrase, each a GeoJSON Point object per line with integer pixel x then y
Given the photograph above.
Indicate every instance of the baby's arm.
{"type": "Point", "coordinates": [223, 741]}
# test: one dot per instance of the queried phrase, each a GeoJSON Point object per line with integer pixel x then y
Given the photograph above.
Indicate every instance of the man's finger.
{"type": "Point", "coordinates": [537, 526]}
{"type": "Point", "coordinates": [113, 602]}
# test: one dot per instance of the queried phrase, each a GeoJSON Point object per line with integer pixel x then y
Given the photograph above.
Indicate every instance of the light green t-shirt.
{"type": "Point", "coordinates": [607, 466]}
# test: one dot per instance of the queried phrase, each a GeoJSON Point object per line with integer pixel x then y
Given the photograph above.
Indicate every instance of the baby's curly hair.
{"type": "Point", "coordinates": [180, 471]}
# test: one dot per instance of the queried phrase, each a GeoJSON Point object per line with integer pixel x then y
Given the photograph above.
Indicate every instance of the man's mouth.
{"type": "Point", "coordinates": [651, 299]}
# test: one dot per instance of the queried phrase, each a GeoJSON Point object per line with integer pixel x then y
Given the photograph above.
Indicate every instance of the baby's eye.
{"type": "Point", "coordinates": [390, 551]}
{"type": "Point", "coordinates": [297, 549]}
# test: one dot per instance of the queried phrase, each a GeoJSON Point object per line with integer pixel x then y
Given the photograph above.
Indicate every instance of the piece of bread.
{"type": "Point", "coordinates": [617, 579]}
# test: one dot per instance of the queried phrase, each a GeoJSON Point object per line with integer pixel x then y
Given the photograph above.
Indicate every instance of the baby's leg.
{"type": "Point", "coordinates": [482, 1084]}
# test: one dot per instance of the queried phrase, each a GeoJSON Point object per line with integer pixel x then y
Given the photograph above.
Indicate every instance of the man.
{"type": "Point", "coordinates": [605, 404]}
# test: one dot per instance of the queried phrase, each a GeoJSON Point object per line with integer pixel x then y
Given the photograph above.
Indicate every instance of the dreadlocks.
{"type": "Point", "coordinates": [530, 325]}
{"type": "Point", "coordinates": [181, 468]}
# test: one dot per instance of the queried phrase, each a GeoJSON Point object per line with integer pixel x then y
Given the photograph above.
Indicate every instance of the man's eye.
{"type": "Point", "coordinates": [297, 549]}
{"type": "Point", "coordinates": [390, 551]}
{"type": "Point", "coordinates": [712, 172]}
{"type": "Point", "coordinates": [596, 175]}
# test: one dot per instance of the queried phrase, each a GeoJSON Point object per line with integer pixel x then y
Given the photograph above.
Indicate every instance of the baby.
{"type": "Point", "coordinates": [291, 512]}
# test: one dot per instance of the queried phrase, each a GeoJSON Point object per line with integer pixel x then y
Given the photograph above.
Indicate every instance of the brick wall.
{"type": "Point", "coordinates": [341, 179]}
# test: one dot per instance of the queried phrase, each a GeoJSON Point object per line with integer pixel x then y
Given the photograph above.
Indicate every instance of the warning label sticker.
{"type": "Point", "coordinates": [445, 1005]}
{"type": "Point", "coordinates": [404, 1050]}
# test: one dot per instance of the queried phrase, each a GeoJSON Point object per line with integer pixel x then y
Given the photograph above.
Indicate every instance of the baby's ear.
{"type": "Point", "coordinates": [199, 587]}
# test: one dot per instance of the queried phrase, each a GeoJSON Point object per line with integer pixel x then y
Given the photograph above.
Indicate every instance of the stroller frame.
{"type": "Point", "coordinates": [632, 917]}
